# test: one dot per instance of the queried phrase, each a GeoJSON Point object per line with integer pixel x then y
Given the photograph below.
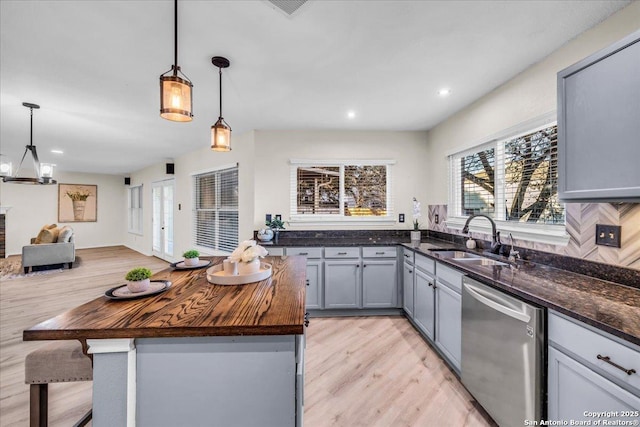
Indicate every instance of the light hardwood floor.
{"type": "Point", "coordinates": [360, 371]}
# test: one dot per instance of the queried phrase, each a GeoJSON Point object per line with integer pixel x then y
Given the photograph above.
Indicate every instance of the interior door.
{"type": "Point", "coordinates": [162, 222]}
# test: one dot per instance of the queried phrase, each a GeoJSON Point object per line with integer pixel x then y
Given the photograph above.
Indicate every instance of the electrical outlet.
{"type": "Point", "coordinates": [267, 217]}
{"type": "Point", "coordinates": [401, 218]}
{"type": "Point", "coordinates": [608, 235]}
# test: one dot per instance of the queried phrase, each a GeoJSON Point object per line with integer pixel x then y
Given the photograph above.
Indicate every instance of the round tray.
{"type": "Point", "coordinates": [122, 292]}
{"type": "Point", "coordinates": [182, 266]}
{"type": "Point", "coordinates": [217, 276]}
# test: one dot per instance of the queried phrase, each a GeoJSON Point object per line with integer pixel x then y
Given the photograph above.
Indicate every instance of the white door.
{"type": "Point", "coordinates": [162, 221]}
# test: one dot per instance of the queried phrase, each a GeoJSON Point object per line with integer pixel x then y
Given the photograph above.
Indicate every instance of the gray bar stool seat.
{"type": "Point", "coordinates": [55, 362]}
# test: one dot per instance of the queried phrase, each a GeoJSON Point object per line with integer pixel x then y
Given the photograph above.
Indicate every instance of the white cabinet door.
{"type": "Point", "coordinates": [449, 323]}
{"type": "Point", "coordinates": [424, 303]}
{"type": "Point", "coordinates": [407, 285]}
{"type": "Point", "coordinates": [314, 284]}
{"type": "Point", "coordinates": [342, 284]}
{"type": "Point", "coordinates": [379, 283]}
{"type": "Point", "coordinates": [575, 390]}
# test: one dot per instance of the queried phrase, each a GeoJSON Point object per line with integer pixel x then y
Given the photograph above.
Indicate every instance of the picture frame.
{"type": "Point", "coordinates": [77, 203]}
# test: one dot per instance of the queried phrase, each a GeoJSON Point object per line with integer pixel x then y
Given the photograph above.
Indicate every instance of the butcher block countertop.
{"type": "Point", "coordinates": [191, 307]}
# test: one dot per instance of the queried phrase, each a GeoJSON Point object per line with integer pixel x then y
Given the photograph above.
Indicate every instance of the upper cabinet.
{"type": "Point", "coordinates": [599, 125]}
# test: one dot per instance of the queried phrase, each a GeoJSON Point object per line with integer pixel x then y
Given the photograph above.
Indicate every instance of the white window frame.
{"type": "Point", "coordinates": [203, 249]}
{"type": "Point", "coordinates": [135, 211]}
{"type": "Point", "coordinates": [555, 234]}
{"type": "Point", "coordinates": [337, 219]}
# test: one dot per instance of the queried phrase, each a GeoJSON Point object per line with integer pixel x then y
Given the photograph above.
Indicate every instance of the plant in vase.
{"type": "Point", "coordinates": [191, 257]}
{"type": "Point", "coordinates": [415, 234]}
{"type": "Point", "coordinates": [138, 279]}
{"type": "Point", "coordinates": [276, 225]}
{"type": "Point", "coordinates": [248, 255]}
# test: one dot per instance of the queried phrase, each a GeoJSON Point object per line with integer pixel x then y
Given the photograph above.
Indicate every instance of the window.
{"type": "Point", "coordinates": [135, 210]}
{"type": "Point", "coordinates": [216, 209]}
{"type": "Point", "coordinates": [514, 179]}
{"type": "Point", "coordinates": [342, 190]}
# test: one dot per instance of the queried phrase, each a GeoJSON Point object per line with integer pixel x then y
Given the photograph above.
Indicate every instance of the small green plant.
{"type": "Point", "coordinates": [192, 253]}
{"type": "Point", "coordinates": [137, 274]}
{"type": "Point", "coordinates": [276, 224]}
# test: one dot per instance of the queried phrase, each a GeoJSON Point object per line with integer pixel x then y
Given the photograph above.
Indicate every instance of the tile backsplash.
{"type": "Point", "coordinates": [581, 227]}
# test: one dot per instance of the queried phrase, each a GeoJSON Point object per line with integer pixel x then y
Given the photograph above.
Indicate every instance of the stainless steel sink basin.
{"type": "Point", "coordinates": [479, 261]}
{"type": "Point", "coordinates": [457, 254]}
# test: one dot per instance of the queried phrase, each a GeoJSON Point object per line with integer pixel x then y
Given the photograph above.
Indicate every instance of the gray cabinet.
{"type": "Point", "coordinates": [598, 126]}
{"type": "Point", "coordinates": [590, 371]}
{"type": "Point", "coordinates": [314, 284]}
{"type": "Point", "coordinates": [449, 313]}
{"type": "Point", "coordinates": [575, 391]}
{"type": "Point", "coordinates": [342, 281]}
{"type": "Point", "coordinates": [424, 303]}
{"type": "Point", "coordinates": [315, 280]}
{"type": "Point", "coordinates": [379, 283]}
{"type": "Point", "coordinates": [407, 288]}
{"type": "Point", "coordinates": [379, 277]}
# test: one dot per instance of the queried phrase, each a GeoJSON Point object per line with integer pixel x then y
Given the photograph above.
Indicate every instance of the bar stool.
{"type": "Point", "coordinates": [55, 362]}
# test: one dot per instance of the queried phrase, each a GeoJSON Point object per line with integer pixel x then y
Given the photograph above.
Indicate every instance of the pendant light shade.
{"type": "Point", "coordinates": [220, 131]}
{"type": "Point", "coordinates": [175, 98]}
{"type": "Point", "coordinates": [176, 101]}
{"type": "Point", "coordinates": [43, 171]}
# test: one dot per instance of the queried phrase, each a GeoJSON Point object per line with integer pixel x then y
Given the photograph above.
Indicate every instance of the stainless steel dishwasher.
{"type": "Point", "coordinates": [502, 353]}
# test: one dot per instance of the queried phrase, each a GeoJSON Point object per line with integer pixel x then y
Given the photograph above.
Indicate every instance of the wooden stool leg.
{"type": "Point", "coordinates": [39, 405]}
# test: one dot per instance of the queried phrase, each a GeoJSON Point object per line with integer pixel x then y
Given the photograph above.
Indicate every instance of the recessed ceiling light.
{"type": "Point", "coordinates": [57, 151]}
{"type": "Point", "coordinates": [444, 92]}
{"type": "Point", "coordinates": [351, 114]}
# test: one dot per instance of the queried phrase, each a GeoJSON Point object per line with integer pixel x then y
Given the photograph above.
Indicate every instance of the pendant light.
{"type": "Point", "coordinates": [176, 102]}
{"type": "Point", "coordinates": [44, 171]}
{"type": "Point", "coordinates": [220, 132]}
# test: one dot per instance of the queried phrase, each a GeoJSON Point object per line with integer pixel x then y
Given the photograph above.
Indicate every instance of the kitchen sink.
{"type": "Point", "coordinates": [479, 261]}
{"type": "Point", "coordinates": [456, 254]}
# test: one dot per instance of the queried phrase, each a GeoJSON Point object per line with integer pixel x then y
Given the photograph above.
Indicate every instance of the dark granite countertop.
{"type": "Point", "coordinates": [608, 306]}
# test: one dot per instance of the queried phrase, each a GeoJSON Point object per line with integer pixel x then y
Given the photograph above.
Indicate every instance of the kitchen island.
{"type": "Point", "coordinates": [196, 354]}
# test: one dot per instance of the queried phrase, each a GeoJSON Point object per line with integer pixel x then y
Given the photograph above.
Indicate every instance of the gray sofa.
{"type": "Point", "coordinates": [41, 254]}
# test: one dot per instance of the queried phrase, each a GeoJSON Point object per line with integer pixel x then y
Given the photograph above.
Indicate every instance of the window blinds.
{"type": "Point", "coordinates": [531, 178]}
{"type": "Point", "coordinates": [216, 209]}
{"type": "Point", "coordinates": [341, 189]}
{"type": "Point", "coordinates": [515, 179]}
{"type": "Point", "coordinates": [135, 209]}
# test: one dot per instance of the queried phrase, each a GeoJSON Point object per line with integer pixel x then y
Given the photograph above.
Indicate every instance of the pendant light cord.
{"type": "Point", "coordinates": [175, 37]}
{"type": "Point", "coordinates": [220, 73]}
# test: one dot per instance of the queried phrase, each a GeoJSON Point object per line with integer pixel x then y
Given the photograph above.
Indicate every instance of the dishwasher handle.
{"type": "Point", "coordinates": [474, 292]}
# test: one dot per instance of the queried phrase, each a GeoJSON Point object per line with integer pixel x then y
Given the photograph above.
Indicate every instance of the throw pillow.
{"type": "Point", "coordinates": [50, 235]}
{"type": "Point", "coordinates": [65, 234]}
{"type": "Point", "coordinates": [43, 234]}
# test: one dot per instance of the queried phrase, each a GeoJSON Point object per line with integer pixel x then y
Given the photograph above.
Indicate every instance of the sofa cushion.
{"type": "Point", "coordinates": [48, 234]}
{"type": "Point", "coordinates": [65, 234]}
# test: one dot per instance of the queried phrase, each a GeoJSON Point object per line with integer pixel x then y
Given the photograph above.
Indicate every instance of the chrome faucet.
{"type": "Point", "coordinates": [495, 245]}
{"type": "Point", "coordinates": [513, 255]}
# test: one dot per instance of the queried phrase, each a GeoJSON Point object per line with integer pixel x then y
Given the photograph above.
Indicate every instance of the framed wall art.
{"type": "Point", "coordinates": [77, 203]}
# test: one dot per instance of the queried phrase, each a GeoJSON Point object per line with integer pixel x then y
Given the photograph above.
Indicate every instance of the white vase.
{"type": "Point", "coordinates": [249, 267]}
{"type": "Point", "coordinates": [136, 286]}
{"type": "Point", "coordinates": [191, 262]}
{"type": "Point", "coordinates": [415, 235]}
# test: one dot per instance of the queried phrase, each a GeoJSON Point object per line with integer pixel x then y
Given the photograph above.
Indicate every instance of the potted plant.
{"type": "Point", "coordinates": [191, 257]}
{"type": "Point", "coordinates": [276, 225]}
{"type": "Point", "coordinates": [415, 234]}
{"type": "Point", "coordinates": [248, 255]}
{"type": "Point", "coordinates": [138, 279]}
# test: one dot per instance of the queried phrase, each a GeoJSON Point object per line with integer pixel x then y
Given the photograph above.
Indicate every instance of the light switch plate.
{"type": "Point", "coordinates": [608, 235]}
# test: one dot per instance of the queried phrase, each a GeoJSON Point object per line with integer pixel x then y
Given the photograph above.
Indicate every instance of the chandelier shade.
{"type": "Point", "coordinates": [176, 92]}
{"type": "Point", "coordinates": [43, 171]}
{"type": "Point", "coordinates": [220, 131]}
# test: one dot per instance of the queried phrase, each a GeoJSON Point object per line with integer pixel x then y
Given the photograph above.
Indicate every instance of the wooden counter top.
{"type": "Point", "coordinates": [192, 307]}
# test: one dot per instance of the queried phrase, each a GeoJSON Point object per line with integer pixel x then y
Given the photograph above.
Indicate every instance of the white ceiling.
{"type": "Point", "coordinates": [93, 67]}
